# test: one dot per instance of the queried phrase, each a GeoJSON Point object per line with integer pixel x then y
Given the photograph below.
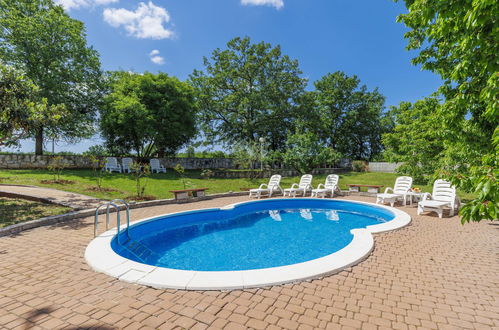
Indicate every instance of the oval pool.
{"type": "Point", "coordinates": [249, 239]}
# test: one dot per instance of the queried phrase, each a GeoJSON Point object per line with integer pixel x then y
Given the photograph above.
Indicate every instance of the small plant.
{"type": "Point", "coordinates": [207, 174]}
{"type": "Point", "coordinates": [360, 166]}
{"type": "Point", "coordinates": [56, 166]}
{"type": "Point", "coordinates": [181, 173]}
{"type": "Point", "coordinates": [140, 173]}
{"type": "Point", "coordinates": [97, 166]}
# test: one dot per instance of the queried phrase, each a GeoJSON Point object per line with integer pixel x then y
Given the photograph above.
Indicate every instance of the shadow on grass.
{"type": "Point", "coordinates": [13, 211]}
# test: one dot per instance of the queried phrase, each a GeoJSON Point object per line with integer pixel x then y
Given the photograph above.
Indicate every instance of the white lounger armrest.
{"type": "Point", "coordinates": [388, 189]}
{"type": "Point", "coordinates": [294, 186]}
{"type": "Point", "coordinates": [320, 185]}
{"type": "Point", "coordinates": [263, 185]}
{"type": "Point", "coordinates": [426, 196]}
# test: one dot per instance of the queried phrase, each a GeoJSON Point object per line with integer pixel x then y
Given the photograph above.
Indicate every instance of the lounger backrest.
{"type": "Point", "coordinates": [112, 162]}
{"type": "Point", "coordinates": [402, 184]}
{"type": "Point", "coordinates": [275, 181]}
{"type": "Point", "coordinates": [305, 181]}
{"type": "Point", "coordinates": [331, 181]}
{"type": "Point", "coordinates": [126, 162]}
{"type": "Point", "coordinates": [444, 191]}
{"type": "Point", "coordinates": [154, 163]}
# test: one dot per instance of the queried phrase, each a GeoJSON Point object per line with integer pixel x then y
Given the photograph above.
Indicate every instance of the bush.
{"type": "Point", "coordinates": [360, 166]}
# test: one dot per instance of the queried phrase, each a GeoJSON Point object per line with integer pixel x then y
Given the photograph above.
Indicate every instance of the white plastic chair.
{"type": "Point", "coordinates": [301, 188]}
{"type": "Point", "coordinates": [112, 165]}
{"type": "Point", "coordinates": [126, 164]}
{"type": "Point", "coordinates": [329, 187]}
{"type": "Point", "coordinates": [443, 196]}
{"type": "Point", "coordinates": [399, 191]}
{"type": "Point", "coordinates": [156, 166]}
{"type": "Point", "coordinates": [267, 189]}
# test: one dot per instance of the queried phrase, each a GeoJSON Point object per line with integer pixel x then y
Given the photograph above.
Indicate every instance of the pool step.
{"type": "Point", "coordinates": [139, 250]}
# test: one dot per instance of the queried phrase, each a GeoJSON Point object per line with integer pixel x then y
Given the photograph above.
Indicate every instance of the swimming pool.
{"type": "Point", "coordinates": [248, 244]}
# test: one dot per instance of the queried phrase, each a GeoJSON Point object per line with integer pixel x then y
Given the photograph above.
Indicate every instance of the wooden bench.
{"type": "Point", "coordinates": [188, 193]}
{"type": "Point", "coordinates": [370, 188]}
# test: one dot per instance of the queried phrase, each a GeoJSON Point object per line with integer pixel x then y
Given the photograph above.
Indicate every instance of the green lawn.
{"type": "Point", "coordinates": [159, 185]}
{"type": "Point", "coordinates": [14, 211]}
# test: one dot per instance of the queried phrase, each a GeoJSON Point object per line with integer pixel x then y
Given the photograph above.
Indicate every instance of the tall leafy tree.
{"type": "Point", "coordinates": [248, 91]}
{"type": "Point", "coordinates": [305, 151]}
{"type": "Point", "coordinates": [346, 116]}
{"type": "Point", "coordinates": [459, 40]}
{"type": "Point", "coordinates": [147, 112]}
{"type": "Point", "coordinates": [22, 111]}
{"type": "Point", "coordinates": [416, 139]}
{"type": "Point", "coordinates": [38, 37]}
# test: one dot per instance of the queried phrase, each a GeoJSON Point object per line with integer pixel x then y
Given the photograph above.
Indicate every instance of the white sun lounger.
{"type": "Point", "coordinates": [443, 196]}
{"type": "Point", "coordinates": [267, 189]}
{"type": "Point", "coordinates": [301, 188]}
{"type": "Point", "coordinates": [112, 165]}
{"type": "Point", "coordinates": [328, 188]}
{"type": "Point", "coordinates": [126, 164]}
{"type": "Point", "coordinates": [156, 166]}
{"type": "Point", "coordinates": [400, 191]}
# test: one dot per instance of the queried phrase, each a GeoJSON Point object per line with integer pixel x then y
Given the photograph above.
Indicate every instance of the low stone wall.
{"type": "Point", "coordinates": [268, 173]}
{"type": "Point", "coordinates": [31, 162]}
{"type": "Point", "coordinates": [383, 167]}
{"type": "Point", "coordinates": [198, 163]}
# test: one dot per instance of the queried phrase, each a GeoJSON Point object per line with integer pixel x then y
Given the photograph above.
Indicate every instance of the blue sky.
{"type": "Point", "coordinates": [358, 37]}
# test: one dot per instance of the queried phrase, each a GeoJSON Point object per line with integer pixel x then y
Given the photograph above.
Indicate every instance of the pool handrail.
{"type": "Point", "coordinates": [108, 205]}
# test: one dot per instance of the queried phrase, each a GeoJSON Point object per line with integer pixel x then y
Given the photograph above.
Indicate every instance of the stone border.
{"type": "Point", "coordinates": [102, 258]}
{"type": "Point", "coordinates": [47, 221]}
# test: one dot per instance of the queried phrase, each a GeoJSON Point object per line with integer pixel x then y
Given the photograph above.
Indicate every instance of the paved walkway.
{"type": "Point", "coordinates": [433, 274]}
{"type": "Point", "coordinates": [69, 199]}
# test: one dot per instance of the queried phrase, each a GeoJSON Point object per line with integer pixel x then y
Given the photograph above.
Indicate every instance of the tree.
{"type": "Point", "coordinates": [459, 41]}
{"type": "Point", "coordinates": [38, 37]}
{"type": "Point", "coordinates": [248, 91]}
{"type": "Point", "coordinates": [416, 139]}
{"type": "Point", "coordinates": [147, 112]}
{"type": "Point", "coordinates": [346, 116]}
{"type": "Point", "coordinates": [304, 152]}
{"type": "Point", "coordinates": [22, 110]}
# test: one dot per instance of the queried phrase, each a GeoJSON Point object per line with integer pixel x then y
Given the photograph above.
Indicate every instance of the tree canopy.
{"type": "Point", "coordinates": [147, 112]}
{"type": "Point", "coordinates": [22, 110]}
{"type": "Point", "coordinates": [248, 91]}
{"type": "Point", "coordinates": [459, 41]}
{"type": "Point", "coordinates": [416, 139]}
{"type": "Point", "coordinates": [38, 37]}
{"type": "Point", "coordinates": [345, 116]}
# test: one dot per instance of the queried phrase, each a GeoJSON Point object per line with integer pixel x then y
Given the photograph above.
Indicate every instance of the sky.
{"type": "Point", "coordinates": [359, 37]}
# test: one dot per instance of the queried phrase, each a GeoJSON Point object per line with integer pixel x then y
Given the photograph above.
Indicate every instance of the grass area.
{"type": "Point", "coordinates": [14, 211]}
{"type": "Point", "coordinates": [158, 185]}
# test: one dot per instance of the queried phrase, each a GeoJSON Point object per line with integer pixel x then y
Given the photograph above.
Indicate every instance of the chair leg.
{"type": "Point", "coordinates": [420, 209]}
{"type": "Point", "coordinates": [392, 203]}
{"type": "Point", "coordinates": [440, 213]}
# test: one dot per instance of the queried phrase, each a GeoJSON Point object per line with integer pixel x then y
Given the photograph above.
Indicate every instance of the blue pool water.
{"type": "Point", "coordinates": [253, 235]}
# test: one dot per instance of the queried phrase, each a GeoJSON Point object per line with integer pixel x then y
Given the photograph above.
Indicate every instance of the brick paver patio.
{"type": "Point", "coordinates": [433, 274]}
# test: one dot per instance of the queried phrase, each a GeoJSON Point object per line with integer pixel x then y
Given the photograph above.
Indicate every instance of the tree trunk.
{"type": "Point", "coordinates": [39, 142]}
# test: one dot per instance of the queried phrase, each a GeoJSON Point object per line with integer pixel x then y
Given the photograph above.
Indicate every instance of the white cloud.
{"type": "Point", "coordinates": [77, 4]}
{"type": "Point", "coordinates": [146, 22]}
{"type": "Point", "coordinates": [278, 4]}
{"type": "Point", "coordinates": [155, 58]}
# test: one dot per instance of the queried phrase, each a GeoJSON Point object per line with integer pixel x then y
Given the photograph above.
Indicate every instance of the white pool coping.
{"type": "Point", "coordinates": [102, 258]}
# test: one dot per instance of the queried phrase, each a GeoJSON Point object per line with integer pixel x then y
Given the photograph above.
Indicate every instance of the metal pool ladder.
{"type": "Point", "coordinates": [109, 205]}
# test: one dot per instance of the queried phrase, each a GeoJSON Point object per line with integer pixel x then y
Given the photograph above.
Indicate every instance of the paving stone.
{"type": "Point", "coordinates": [433, 274]}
